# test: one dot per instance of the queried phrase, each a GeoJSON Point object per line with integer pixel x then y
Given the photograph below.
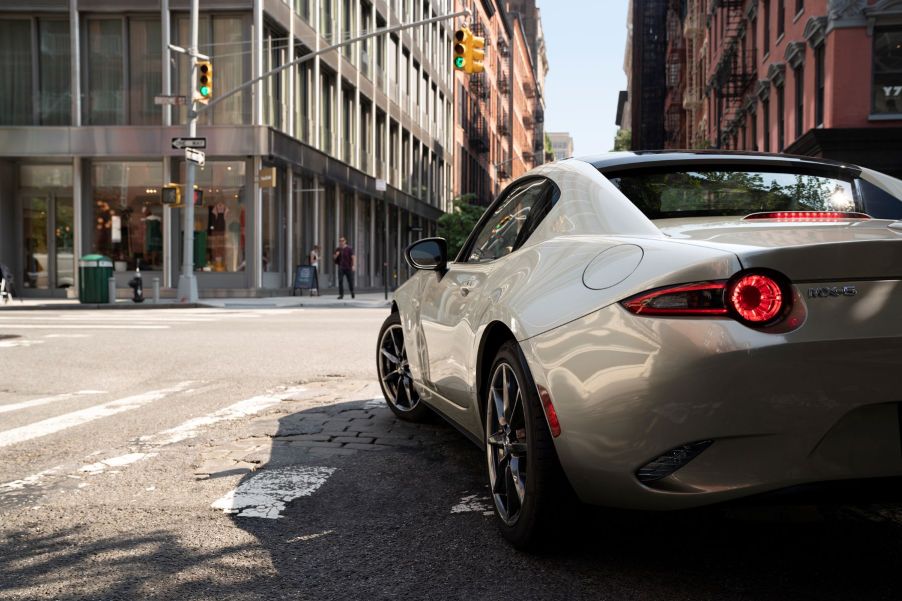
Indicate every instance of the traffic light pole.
{"type": "Point", "coordinates": [220, 97]}
{"type": "Point", "coordinates": [187, 290]}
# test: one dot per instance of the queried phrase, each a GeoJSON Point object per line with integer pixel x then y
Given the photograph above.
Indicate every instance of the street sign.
{"type": "Point", "coordinates": [179, 143]}
{"type": "Point", "coordinates": [195, 156]}
{"type": "Point", "coordinates": [170, 99]}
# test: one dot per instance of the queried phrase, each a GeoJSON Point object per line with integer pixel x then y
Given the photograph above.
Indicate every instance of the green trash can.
{"type": "Point", "coordinates": [94, 272]}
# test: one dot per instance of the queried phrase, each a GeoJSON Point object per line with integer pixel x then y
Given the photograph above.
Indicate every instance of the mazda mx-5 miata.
{"type": "Point", "coordinates": [662, 331]}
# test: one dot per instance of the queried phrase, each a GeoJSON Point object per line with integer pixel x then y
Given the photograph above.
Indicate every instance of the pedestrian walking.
{"type": "Point", "coordinates": [313, 259]}
{"type": "Point", "coordinates": [347, 263]}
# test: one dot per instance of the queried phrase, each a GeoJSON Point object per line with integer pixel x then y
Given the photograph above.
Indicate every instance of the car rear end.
{"type": "Point", "coordinates": [785, 372]}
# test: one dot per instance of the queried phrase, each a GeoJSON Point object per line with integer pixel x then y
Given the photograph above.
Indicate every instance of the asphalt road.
{"type": "Point", "coordinates": [214, 454]}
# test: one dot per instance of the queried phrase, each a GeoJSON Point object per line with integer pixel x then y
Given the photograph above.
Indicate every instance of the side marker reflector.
{"type": "Point", "coordinates": [553, 423]}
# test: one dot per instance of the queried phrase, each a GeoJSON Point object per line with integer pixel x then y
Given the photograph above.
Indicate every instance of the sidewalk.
{"type": "Point", "coordinates": [366, 300]}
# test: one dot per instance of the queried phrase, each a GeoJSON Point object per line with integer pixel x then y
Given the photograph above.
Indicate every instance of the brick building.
{"type": "Point", "coordinates": [496, 111]}
{"type": "Point", "coordinates": [812, 77]}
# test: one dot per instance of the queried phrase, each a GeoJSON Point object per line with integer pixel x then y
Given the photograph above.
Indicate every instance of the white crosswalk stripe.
{"type": "Point", "coordinates": [47, 400]}
{"type": "Point", "coordinates": [151, 443]}
{"type": "Point", "coordinates": [83, 416]}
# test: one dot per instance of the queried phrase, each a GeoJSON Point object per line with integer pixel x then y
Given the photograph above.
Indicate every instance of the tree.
{"type": "Point", "coordinates": [623, 139]}
{"type": "Point", "coordinates": [457, 225]}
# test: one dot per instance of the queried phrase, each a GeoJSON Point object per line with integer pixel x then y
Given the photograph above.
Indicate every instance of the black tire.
{"type": "Point", "coordinates": [394, 373]}
{"type": "Point", "coordinates": [528, 520]}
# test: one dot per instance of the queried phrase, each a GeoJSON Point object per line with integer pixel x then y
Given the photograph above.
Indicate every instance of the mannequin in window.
{"type": "Point", "coordinates": [216, 231]}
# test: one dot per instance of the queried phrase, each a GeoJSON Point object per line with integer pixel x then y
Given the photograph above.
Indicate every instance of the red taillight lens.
{"type": "Point", "coordinates": [757, 298]}
{"type": "Point", "coordinates": [799, 216]}
{"type": "Point", "coordinates": [703, 298]}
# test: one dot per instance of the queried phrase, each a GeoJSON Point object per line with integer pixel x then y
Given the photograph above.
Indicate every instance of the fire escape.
{"type": "Point", "coordinates": [694, 33]}
{"type": "Point", "coordinates": [732, 75]}
{"type": "Point", "coordinates": [675, 65]}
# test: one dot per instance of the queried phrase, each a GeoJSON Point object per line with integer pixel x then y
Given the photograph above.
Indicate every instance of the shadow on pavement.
{"type": "Point", "coordinates": [407, 522]}
{"type": "Point", "coordinates": [74, 564]}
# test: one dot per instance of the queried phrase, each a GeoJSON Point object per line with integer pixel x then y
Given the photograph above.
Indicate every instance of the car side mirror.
{"type": "Point", "coordinates": [429, 254]}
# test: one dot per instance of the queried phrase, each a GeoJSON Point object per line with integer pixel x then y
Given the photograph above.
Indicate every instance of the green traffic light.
{"type": "Point", "coordinates": [204, 91]}
{"type": "Point", "coordinates": [459, 62]}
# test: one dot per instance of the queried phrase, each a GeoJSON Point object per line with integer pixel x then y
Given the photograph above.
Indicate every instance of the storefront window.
{"type": "Point", "coordinates": [128, 214]}
{"type": "Point", "coordinates": [887, 91]}
{"type": "Point", "coordinates": [220, 220]}
{"type": "Point", "coordinates": [272, 230]}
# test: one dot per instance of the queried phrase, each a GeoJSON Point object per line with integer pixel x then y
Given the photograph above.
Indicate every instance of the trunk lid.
{"type": "Point", "coordinates": [804, 252]}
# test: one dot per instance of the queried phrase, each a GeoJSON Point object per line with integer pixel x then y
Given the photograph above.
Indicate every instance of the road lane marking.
{"type": "Point", "coordinates": [66, 326]}
{"type": "Point", "coordinates": [473, 503]}
{"type": "Point", "coordinates": [192, 427]}
{"type": "Point", "coordinates": [120, 461]}
{"type": "Point", "coordinates": [186, 430]}
{"type": "Point", "coordinates": [77, 418]}
{"type": "Point", "coordinates": [266, 494]}
{"type": "Point", "coordinates": [47, 400]}
{"type": "Point", "coordinates": [20, 342]}
{"type": "Point", "coordinates": [66, 335]}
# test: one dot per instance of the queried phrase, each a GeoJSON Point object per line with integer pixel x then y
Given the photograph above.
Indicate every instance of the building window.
{"type": "Point", "coordinates": [128, 214]}
{"type": "Point", "coordinates": [765, 124]}
{"type": "Point", "coordinates": [766, 25]}
{"type": "Point", "coordinates": [222, 37]}
{"type": "Point", "coordinates": [781, 17]}
{"type": "Point", "coordinates": [887, 86]}
{"type": "Point", "coordinates": [105, 81]}
{"type": "Point", "coordinates": [16, 107]}
{"type": "Point", "coordinates": [54, 66]}
{"type": "Point", "coordinates": [800, 6]}
{"type": "Point", "coordinates": [781, 118]}
{"type": "Point", "coordinates": [145, 71]}
{"type": "Point", "coordinates": [753, 131]}
{"type": "Point", "coordinates": [221, 217]}
{"type": "Point", "coordinates": [819, 75]}
{"type": "Point", "coordinates": [800, 100]}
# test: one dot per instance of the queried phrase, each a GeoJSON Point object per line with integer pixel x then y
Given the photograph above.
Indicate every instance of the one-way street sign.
{"type": "Point", "coordinates": [195, 156]}
{"type": "Point", "coordinates": [180, 143]}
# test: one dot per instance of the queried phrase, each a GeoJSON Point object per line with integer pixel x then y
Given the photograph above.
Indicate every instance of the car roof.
{"type": "Point", "coordinates": [615, 161]}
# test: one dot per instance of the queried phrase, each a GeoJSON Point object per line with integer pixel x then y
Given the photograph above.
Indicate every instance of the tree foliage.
{"type": "Point", "coordinates": [457, 225]}
{"type": "Point", "coordinates": [623, 139]}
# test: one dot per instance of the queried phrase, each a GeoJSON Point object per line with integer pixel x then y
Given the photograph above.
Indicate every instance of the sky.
{"type": "Point", "coordinates": [584, 41]}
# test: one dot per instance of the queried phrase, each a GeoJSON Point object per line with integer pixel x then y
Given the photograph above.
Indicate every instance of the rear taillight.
{"type": "Point", "coordinates": [801, 216]}
{"type": "Point", "coordinates": [703, 298]}
{"type": "Point", "coordinates": [755, 298]}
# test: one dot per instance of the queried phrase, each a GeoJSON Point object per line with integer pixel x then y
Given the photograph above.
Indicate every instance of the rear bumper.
{"type": "Point", "coordinates": [782, 409]}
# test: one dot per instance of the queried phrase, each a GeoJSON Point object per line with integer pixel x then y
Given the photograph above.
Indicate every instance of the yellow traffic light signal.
{"type": "Point", "coordinates": [477, 54]}
{"type": "Point", "coordinates": [469, 51]}
{"type": "Point", "coordinates": [204, 81]}
{"type": "Point", "coordinates": [461, 42]}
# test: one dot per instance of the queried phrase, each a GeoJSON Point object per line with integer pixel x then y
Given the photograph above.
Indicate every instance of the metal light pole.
{"type": "Point", "coordinates": [187, 290]}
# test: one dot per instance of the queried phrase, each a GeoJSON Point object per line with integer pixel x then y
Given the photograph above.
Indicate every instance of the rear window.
{"type": "Point", "coordinates": [671, 194]}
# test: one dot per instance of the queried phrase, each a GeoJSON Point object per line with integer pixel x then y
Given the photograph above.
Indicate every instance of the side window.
{"type": "Point", "coordinates": [512, 222]}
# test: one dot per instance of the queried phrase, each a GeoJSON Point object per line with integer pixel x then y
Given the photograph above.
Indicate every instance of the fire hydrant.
{"type": "Point", "coordinates": [137, 286]}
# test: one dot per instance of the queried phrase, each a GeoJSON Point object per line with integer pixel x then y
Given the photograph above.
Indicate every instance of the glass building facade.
{"type": "Point", "coordinates": [354, 143]}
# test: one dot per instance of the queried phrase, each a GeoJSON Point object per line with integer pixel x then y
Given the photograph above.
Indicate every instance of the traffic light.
{"type": "Point", "coordinates": [477, 54]}
{"type": "Point", "coordinates": [469, 51]}
{"type": "Point", "coordinates": [461, 40]}
{"type": "Point", "coordinates": [204, 81]}
{"type": "Point", "coordinates": [172, 194]}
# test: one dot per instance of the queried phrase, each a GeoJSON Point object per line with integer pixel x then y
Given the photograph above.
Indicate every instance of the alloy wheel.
{"type": "Point", "coordinates": [394, 370]}
{"type": "Point", "coordinates": [507, 446]}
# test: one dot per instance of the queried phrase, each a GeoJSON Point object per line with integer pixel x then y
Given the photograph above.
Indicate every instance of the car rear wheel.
{"type": "Point", "coordinates": [524, 475]}
{"type": "Point", "coordinates": [394, 373]}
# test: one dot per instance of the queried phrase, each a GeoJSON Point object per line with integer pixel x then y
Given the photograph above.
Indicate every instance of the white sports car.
{"type": "Point", "coordinates": [662, 331]}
